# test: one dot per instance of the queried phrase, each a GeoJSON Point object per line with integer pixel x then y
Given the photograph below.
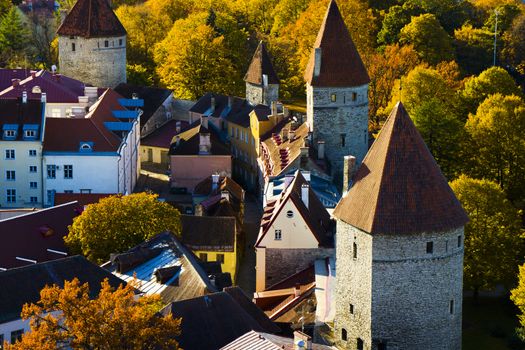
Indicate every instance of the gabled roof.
{"type": "Point", "coordinates": [91, 19]}
{"type": "Point", "coordinates": [315, 215]}
{"type": "Point", "coordinates": [162, 136]}
{"type": "Point", "coordinates": [341, 64]}
{"type": "Point", "coordinates": [22, 285]}
{"type": "Point", "coordinates": [259, 66]}
{"type": "Point", "coordinates": [205, 187]}
{"type": "Point", "coordinates": [399, 188]}
{"type": "Point", "coordinates": [91, 128]}
{"type": "Point", "coordinates": [234, 109]}
{"type": "Point", "coordinates": [211, 233]}
{"type": "Point", "coordinates": [30, 235]}
{"type": "Point", "coordinates": [214, 320]}
{"type": "Point", "coordinates": [263, 341]}
{"type": "Point", "coordinates": [190, 139]}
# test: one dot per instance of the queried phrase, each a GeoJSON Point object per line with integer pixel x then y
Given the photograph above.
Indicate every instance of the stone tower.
{"type": "Point", "coordinates": [399, 249]}
{"type": "Point", "coordinates": [337, 93]}
{"type": "Point", "coordinates": [92, 44]}
{"type": "Point", "coordinates": [262, 83]}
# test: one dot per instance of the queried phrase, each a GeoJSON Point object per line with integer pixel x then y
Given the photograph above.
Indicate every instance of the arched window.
{"type": "Point", "coordinates": [360, 344]}
{"type": "Point", "coordinates": [344, 335]}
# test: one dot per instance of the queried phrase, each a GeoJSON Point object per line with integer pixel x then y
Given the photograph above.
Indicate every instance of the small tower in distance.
{"type": "Point", "coordinates": [262, 83]}
{"type": "Point", "coordinates": [337, 93]}
{"type": "Point", "coordinates": [399, 249]}
{"type": "Point", "coordinates": [92, 44]}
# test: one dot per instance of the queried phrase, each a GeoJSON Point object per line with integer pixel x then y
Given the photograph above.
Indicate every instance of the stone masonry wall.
{"type": "Point", "coordinates": [401, 294]}
{"type": "Point", "coordinates": [255, 94]}
{"type": "Point", "coordinates": [92, 62]}
{"type": "Point", "coordinates": [282, 263]}
{"type": "Point", "coordinates": [330, 120]}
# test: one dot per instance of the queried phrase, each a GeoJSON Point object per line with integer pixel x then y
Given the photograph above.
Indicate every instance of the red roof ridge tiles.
{"type": "Point", "coordinates": [399, 188]}
{"type": "Point", "coordinates": [341, 64]}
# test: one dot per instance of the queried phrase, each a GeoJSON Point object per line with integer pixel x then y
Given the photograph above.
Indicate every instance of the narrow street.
{"type": "Point", "coordinates": [252, 218]}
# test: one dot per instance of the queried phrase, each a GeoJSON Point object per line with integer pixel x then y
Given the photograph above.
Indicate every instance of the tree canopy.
{"type": "Point", "coordinates": [68, 318]}
{"type": "Point", "coordinates": [118, 223]}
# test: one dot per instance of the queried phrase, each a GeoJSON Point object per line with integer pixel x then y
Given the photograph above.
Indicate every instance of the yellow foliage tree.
{"type": "Point", "coordinates": [67, 318]}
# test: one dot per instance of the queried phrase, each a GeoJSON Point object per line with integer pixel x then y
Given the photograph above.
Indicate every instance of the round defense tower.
{"type": "Point", "coordinates": [399, 249]}
{"type": "Point", "coordinates": [92, 44]}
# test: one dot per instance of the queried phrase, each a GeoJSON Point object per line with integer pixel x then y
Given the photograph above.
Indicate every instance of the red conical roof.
{"type": "Point", "coordinates": [399, 188]}
{"type": "Point", "coordinates": [341, 64]}
{"type": "Point", "coordinates": [261, 64]}
{"type": "Point", "coordinates": [91, 19]}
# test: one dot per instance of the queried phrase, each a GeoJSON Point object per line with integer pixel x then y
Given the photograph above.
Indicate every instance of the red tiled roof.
{"type": "Point", "coordinates": [399, 188]}
{"type": "Point", "coordinates": [261, 64]}
{"type": "Point", "coordinates": [341, 64]}
{"type": "Point", "coordinates": [26, 235]}
{"type": "Point", "coordinates": [65, 134]}
{"type": "Point", "coordinates": [90, 19]}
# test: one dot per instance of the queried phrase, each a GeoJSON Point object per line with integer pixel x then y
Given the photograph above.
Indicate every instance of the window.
{"type": "Point", "coordinates": [355, 250]}
{"type": "Point", "coordinates": [333, 97]}
{"type": "Point", "coordinates": [203, 257]}
{"type": "Point", "coordinates": [10, 175]}
{"type": "Point", "coordinates": [32, 152]}
{"type": "Point", "coordinates": [459, 241]}
{"type": "Point", "coordinates": [360, 344]}
{"type": "Point", "coordinates": [16, 335]}
{"type": "Point", "coordinates": [9, 154]}
{"type": "Point", "coordinates": [33, 184]}
{"type": "Point", "coordinates": [51, 171]}
{"type": "Point", "coordinates": [289, 214]}
{"type": "Point", "coordinates": [50, 196]}
{"type": "Point", "coordinates": [451, 307]}
{"type": "Point", "coordinates": [278, 235]}
{"type": "Point", "coordinates": [120, 42]}
{"type": "Point", "coordinates": [11, 195]}
{"type": "Point", "coordinates": [352, 309]}
{"type": "Point", "coordinates": [68, 171]}
{"type": "Point", "coordinates": [354, 96]}
{"type": "Point", "coordinates": [344, 335]}
{"type": "Point", "coordinates": [33, 199]}
{"type": "Point", "coordinates": [430, 247]}
{"type": "Point", "coordinates": [32, 168]}
{"type": "Point", "coordinates": [10, 133]}
{"type": "Point", "coordinates": [343, 140]}
{"type": "Point", "coordinates": [73, 47]}
{"type": "Point", "coordinates": [30, 133]}
{"type": "Point", "coordinates": [106, 43]}
{"type": "Point", "coordinates": [220, 258]}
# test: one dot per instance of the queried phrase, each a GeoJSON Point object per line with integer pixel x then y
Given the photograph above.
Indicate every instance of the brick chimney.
{"type": "Point", "coordinates": [348, 171]}
{"type": "Point", "coordinates": [285, 134]}
{"type": "Point", "coordinates": [301, 341]}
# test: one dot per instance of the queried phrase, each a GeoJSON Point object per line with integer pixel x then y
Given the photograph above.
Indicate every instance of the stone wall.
{"type": "Point", "coordinates": [256, 94]}
{"type": "Point", "coordinates": [282, 263]}
{"type": "Point", "coordinates": [92, 62]}
{"type": "Point", "coordinates": [330, 120]}
{"type": "Point", "coordinates": [411, 289]}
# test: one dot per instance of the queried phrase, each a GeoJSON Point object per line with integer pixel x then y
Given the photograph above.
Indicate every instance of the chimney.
{"type": "Point", "coordinates": [285, 134]}
{"type": "Point", "coordinates": [33, 73]}
{"type": "Point", "coordinates": [291, 135]}
{"type": "Point", "coordinates": [286, 112]}
{"type": "Point", "coordinates": [91, 92]}
{"type": "Point", "coordinates": [177, 140]}
{"type": "Point", "coordinates": [297, 290]}
{"type": "Point", "coordinates": [317, 62]}
{"type": "Point", "coordinates": [265, 80]}
{"type": "Point", "coordinates": [301, 341]}
{"type": "Point", "coordinates": [274, 108]}
{"type": "Point", "coordinates": [320, 149]}
{"type": "Point", "coordinates": [134, 96]}
{"type": "Point", "coordinates": [177, 127]}
{"type": "Point", "coordinates": [204, 121]}
{"type": "Point", "coordinates": [204, 143]}
{"type": "Point", "coordinates": [212, 104]}
{"type": "Point", "coordinates": [305, 189]}
{"type": "Point", "coordinates": [225, 195]}
{"type": "Point", "coordinates": [24, 96]}
{"type": "Point", "coordinates": [43, 97]}
{"type": "Point", "coordinates": [15, 82]}
{"type": "Point", "coordinates": [78, 111]}
{"type": "Point", "coordinates": [348, 171]}
{"type": "Point", "coordinates": [215, 182]}
{"type": "Point", "coordinates": [199, 210]}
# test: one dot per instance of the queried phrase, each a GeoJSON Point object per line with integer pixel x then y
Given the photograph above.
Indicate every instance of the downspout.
{"type": "Point", "coordinates": [42, 153]}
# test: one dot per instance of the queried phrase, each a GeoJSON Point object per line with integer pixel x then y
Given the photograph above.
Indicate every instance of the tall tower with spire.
{"type": "Point", "coordinates": [262, 83]}
{"type": "Point", "coordinates": [399, 255]}
{"type": "Point", "coordinates": [92, 44]}
{"type": "Point", "coordinates": [337, 93]}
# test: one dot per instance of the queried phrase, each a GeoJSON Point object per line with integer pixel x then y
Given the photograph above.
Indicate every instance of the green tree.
{"type": "Point", "coordinates": [474, 48]}
{"type": "Point", "coordinates": [493, 242]}
{"type": "Point", "coordinates": [14, 35]}
{"type": "Point", "coordinates": [395, 19]}
{"type": "Point", "coordinates": [491, 81]}
{"type": "Point", "coordinates": [514, 49]}
{"type": "Point", "coordinates": [518, 297]}
{"type": "Point", "coordinates": [118, 223]}
{"type": "Point", "coordinates": [496, 131]}
{"type": "Point", "coordinates": [506, 15]}
{"type": "Point", "coordinates": [138, 74]}
{"type": "Point", "coordinates": [115, 319]}
{"type": "Point", "coordinates": [429, 39]}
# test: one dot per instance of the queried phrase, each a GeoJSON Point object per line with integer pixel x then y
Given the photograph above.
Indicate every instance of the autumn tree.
{"type": "Point", "coordinates": [394, 20]}
{"type": "Point", "coordinates": [473, 48]}
{"type": "Point", "coordinates": [117, 223]}
{"type": "Point", "coordinates": [518, 297]}
{"type": "Point", "coordinates": [496, 131]}
{"type": "Point", "coordinates": [14, 37]}
{"type": "Point", "coordinates": [115, 319]}
{"type": "Point", "coordinates": [493, 242]}
{"type": "Point", "coordinates": [514, 49]}
{"type": "Point", "coordinates": [429, 39]}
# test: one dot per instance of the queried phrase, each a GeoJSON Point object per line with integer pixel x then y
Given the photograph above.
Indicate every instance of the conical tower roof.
{"type": "Point", "coordinates": [261, 64]}
{"type": "Point", "coordinates": [341, 64]}
{"type": "Point", "coordinates": [91, 19]}
{"type": "Point", "coordinates": [399, 188]}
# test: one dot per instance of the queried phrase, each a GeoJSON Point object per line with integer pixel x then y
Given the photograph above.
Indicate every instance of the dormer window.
{"type": "Point", "coordinates": [86, 147]}
{"type": "Point", "coordinates": [30, 131]}
{"type": "Point", "coordinates": [36, 90]}
{"type": "Point", "coordinates": [10, 134]}
{"type": "Point", "coordinates": [10, 131]}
